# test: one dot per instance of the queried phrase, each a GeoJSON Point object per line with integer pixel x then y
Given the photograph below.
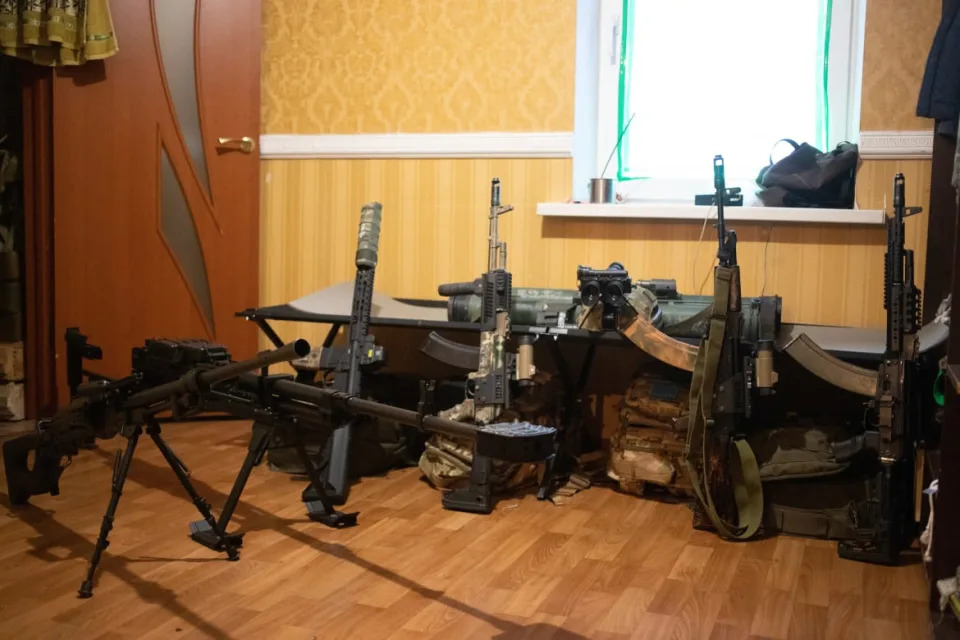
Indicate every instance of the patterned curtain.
{"type": "Point", "coordinates": [57, 32]}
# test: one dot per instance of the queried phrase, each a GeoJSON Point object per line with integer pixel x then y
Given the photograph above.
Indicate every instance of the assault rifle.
{"type": "Point", "coordinates": [718, 458]}
{"type": "Point", "coordinates": [188, 378]}
{"type": "Point", "coordinates": [491, 381]}
{"type": "Point", "coordinates": [362, 352]}
{"type": "Point", "coordinates": [886, 518]}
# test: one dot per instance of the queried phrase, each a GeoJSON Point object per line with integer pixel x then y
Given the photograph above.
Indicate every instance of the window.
{"type": "Point", "coordinates": [707, 77]}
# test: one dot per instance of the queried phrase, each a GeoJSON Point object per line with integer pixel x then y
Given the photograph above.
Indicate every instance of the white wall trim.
{"type": "Point", "coordinates": [557, 144]}
{"type": "Point", "coordinates": [695, 213]}
{"type": "Point", "coordinates": [874, 145]}
{"type": "Point", "coordinates": [895, 145]}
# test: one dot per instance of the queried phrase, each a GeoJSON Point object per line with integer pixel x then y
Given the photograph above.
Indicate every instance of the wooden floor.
{"type": "Point", "coordinates": [604, 565]}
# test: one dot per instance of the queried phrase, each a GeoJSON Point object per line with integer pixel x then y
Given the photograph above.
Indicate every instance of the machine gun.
{"type": "Point", "coordinates": [886, 518]}
{"type": "Point", "coordinates": [361, 354]}
{"type": "Point", "coordinates": [187, 378]}
{"type": "Point", "coordinates": [180, 377]}
{"type": "Point", "coordinates": [716, 451]}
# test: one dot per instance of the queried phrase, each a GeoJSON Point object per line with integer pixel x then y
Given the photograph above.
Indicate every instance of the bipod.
{"type": "Point", "coordinates": [120, 470]}
{"type": "Point", "coordinates": [318, 503]}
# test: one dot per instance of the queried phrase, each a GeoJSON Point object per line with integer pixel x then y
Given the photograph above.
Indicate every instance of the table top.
{"type": "Point", "coordinates": [333, 305]}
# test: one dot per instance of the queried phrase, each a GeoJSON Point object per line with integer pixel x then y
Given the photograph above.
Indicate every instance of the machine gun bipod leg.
{"type": "Point", "coordinates": [320, 506]}
{"type": "Point", "coordinates": [120, 470]}
{"type": "Point", "coordinates": [201, 531]}
{"type": "Point", "coordinates": [212, 536]}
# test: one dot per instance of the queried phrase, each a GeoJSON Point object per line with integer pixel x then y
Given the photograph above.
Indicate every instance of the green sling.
{"type": "Point", "coordinates": [745, 473]}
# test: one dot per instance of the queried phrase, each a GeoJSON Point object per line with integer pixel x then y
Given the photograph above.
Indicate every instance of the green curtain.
{"type": "Point", "coordinates": [57, 32]}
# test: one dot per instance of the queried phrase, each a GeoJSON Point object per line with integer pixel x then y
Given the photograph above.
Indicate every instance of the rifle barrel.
{"type": "Point", "coordinates": [320, 397]}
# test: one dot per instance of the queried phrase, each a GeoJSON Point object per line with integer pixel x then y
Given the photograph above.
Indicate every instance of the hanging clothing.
{"type": "Point", "coordinates": [940, 90]}
{"type": "Point", "coordinates": [57, 32]}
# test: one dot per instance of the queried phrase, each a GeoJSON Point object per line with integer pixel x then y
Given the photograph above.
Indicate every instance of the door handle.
{"type": "Point", "coordinates": [245, 144]}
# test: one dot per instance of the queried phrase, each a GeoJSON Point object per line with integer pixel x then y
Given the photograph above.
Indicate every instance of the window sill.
{"type": "Point", "coordinates": [651, 211]}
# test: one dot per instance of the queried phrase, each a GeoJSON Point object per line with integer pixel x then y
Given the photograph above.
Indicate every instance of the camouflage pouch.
{"type": "Point", "coordinates": [804, 450]}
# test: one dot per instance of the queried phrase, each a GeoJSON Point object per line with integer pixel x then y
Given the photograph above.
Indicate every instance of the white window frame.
{"type": "Point", "coordinates": [597, 92]}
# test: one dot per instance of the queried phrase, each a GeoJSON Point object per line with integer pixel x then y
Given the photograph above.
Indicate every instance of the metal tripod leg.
{"type": "Point", "coordinates": [222, 541]}
{"type": "Point", "coordinates": [202, 532]}
{"type": "Point", "coordinates": [320, 508]}
{"type": "Point", "coordinates": [119, 477]}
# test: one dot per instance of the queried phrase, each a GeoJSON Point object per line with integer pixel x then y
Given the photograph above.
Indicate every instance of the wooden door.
{"type": "Point", "coordinates": [156, 219]}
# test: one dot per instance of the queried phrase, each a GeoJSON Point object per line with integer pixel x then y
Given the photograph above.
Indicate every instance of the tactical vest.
{"type": "Point", "coordinates": [648, 447]}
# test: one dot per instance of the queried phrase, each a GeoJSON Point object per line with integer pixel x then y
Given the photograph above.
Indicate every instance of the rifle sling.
{"type": "Point", "coordinates": [744, 471]}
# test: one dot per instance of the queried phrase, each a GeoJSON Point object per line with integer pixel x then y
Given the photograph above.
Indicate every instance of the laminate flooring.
{"type": "Point", "coordinates": [605, 565]}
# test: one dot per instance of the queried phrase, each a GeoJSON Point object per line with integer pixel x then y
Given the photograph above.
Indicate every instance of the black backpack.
{"type": "Point", "coordinates": [810, 178]}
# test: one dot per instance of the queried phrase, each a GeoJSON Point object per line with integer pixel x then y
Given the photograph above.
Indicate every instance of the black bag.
{"type": "Point", "coordinates": [809, 178]}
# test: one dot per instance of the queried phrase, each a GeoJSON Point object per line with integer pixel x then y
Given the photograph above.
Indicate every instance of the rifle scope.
{"type": "Point", "coordinates": [204, 379]}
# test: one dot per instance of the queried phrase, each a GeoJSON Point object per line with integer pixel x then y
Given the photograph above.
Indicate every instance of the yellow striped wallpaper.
{"type": "Point", "coordinates": [434, 230]}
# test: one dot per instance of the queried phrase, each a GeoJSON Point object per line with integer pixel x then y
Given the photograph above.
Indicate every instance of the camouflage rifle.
{"type": "Point", "coordinates": [490, 383]}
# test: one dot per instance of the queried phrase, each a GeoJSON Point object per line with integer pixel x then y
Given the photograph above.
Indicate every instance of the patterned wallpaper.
{"type": "Point", "coordinates": [377, 66]}
{"type": "Point", "coordinates": [896, 44]}
{"type": "Point", "coordinates": [387, 66]}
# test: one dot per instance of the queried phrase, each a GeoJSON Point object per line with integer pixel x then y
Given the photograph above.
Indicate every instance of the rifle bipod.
{"type": "Point", "coordinates": [315, 498]}
{"type": "Point", "coordinates": [120, 470]}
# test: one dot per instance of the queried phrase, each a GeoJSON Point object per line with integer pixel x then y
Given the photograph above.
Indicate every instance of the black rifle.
{"type": "Point", "coordinates": [886, 518]}
{"type": "Point", "coordinates": [168, 376]}
{"type": "Point", "coordinates": [720, 398]}
{"type": "Point", "coordinates": [362, 352]}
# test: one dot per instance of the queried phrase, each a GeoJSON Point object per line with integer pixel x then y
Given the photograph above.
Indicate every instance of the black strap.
{"type": "Point", "coordinates": [792, 143]}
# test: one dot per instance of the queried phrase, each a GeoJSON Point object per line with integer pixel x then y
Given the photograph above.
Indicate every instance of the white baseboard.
{"type": "Point", "coordinates": [419, 145]}
{"type": "Point", "coordinates": [896, 145]}
{"type": "Point", "coordinates": [874, 145]}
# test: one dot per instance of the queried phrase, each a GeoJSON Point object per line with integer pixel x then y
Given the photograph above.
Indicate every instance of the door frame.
{"type": "Point", "coordinates": [40, 388]}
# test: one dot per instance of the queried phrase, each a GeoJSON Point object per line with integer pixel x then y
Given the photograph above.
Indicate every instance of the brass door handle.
{"type": "Point", "coordinates": [245, 144]}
